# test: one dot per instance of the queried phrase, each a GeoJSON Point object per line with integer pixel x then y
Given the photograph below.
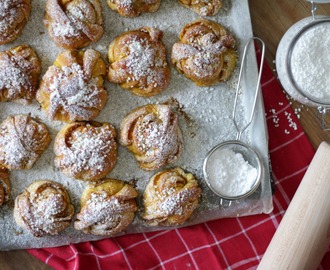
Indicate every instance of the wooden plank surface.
{"type": "Point", "coordinates": [270, 20]}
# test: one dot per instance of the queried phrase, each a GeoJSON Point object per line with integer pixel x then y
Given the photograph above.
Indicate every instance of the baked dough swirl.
{"type": "Point", "coordinates": [153, 135]}
{"type": "Point", "coordinates": [72, 88]}
{"type": "Point", "coordinates": [138, 62]}
{"type": "Point", "coordinates": [133, 8]}
{"type": "Point", "coordinates": [22, 141]}
{"type": "Point", "coordinates": [86, 150]}
{"type": "Point", "coordinates": [203, 7]}
{"type": "Point", "coordinates": [74, 24]}
{"type": "Point", "coordinates": [4, 185]}
{"type": "Point", "coordinates": [14, 15]}
{"type": "Point", "coordinates": [107, 208]}
{"type": "Point", "coordinates": [19, 74]}
{"type": "Point", "coordinates": [43, 208]}
{"type": "Point", "coordinates": [170, 198]}
{"type": "Point", "coordinates": [205, 53]}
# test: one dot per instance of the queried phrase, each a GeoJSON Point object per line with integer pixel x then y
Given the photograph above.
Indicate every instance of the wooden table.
{"type": "Point", "coordinates": [270, 20]}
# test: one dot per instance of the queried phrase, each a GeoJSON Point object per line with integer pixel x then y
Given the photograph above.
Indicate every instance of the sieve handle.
{"type": "Point", "coordinates": [242, 68]}
{"type": "Point", "coordinates": [303, 235]}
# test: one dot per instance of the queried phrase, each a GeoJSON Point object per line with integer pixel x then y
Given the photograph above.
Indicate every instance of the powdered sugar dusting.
{"type": "Point", "coordinates": [71, 91]}
{"type": "Point", "coordinates": [104, 209]}
{"type": "Point", "coordinates": [12, 78]}
{"type": "Point", "coordinates": [9, 13]}
{"type": "Point", "coordinates": [106, 214]}
{"type": "Point", "coordinates": [142, 60]}
{"type": "Point", "coordinates": [19, 70]}
{"type": "Point", "coordinates": [74, 24]}
{"type": "Point", "coordinates": [44, 211]}
{"type": "Point", "coordinates": [154, 130]}
{"type": "Point", "coordinates": [199, 52]}
{"type": "Point", "coordinates": [86, 148]}
{"type": "Point", "coordinates": [129, 4]}
{"type": "Point", "coordinates": [22, 140]}
{"type": "Point", "coordinates": [176, 204]}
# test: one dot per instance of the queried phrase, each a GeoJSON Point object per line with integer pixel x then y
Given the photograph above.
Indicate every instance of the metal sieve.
{"type": "Point", "coordinates": [237, 146]}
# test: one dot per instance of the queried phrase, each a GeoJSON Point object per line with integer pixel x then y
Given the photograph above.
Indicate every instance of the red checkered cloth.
{"type": "Point", "coordinates": [232, 243]}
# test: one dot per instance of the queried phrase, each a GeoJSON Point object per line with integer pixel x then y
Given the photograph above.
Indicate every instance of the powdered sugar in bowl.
{"type": "Point", "coordinates": [303, 62]}
{"type": "Point", "coordinates": [233, 170]}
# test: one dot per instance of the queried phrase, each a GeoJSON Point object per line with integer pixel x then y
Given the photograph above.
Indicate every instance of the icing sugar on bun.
{"type": "Point", "coordinates": [86, 150]}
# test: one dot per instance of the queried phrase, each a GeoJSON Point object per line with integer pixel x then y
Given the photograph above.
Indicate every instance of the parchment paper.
{"type": "Point", "coordinates": [208, 109]}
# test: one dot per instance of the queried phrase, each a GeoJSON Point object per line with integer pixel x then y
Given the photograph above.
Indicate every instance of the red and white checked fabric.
{"type": "Point", "coordinates": [233, 243]}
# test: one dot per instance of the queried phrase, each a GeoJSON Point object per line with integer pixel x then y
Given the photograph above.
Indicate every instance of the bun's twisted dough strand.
{"type": "Point", "coordinates": [74, 24]}
{"type": "Point", "coordinates": [170, 198]}
{"type": "Point", "coordinates": [153, 135]}
{"type": "Point", "coordinates": [107, 208]}
{"type": "Point", "coordinates": [14, 15]}
{"type": "Point", "coordinates": [43, 208]}
{"type": "Point", "coordinates": [4, 185]}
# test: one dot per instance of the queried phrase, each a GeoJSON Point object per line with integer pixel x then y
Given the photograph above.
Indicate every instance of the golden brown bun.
{"type": "Point", "coordinates": [203, 7]}
{"type": "Point", "coordinates": [22, 141]}
{"type": "Point", "coordinates": [19, 74]}
{"type": "Point", "coordinates": [74, 24]}
{"type": "Point", "coordinates": [153, 135]}
{"type": "Point", "coordinates": [14, 15]}
{"type": "Point", "coordinates": [4, 185]}
{"type": "Point", "coordinates": [138, 62]}
{"type": "Point", "coordinates": [133, 8]}
{"type": "Point", "coordinates": [86, 151]}
{"type": "Point", "coordinates": [170, 198]}
{"type": "Point", "coordinates": [44, 208]}
{"type": "Point", "coordinates": [205, 53]}
{"type": "Point", "coordinates": [72, 89]}
{"type": "Point", "coordinates": [107, 208]}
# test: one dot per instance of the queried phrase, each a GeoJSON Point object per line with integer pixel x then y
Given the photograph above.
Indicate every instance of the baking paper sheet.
{"type": "Point", "coordinates": [208, 109]}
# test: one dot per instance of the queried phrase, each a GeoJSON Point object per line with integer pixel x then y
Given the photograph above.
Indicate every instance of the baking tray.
{"type": "Point", "coordinates": [206, 120]}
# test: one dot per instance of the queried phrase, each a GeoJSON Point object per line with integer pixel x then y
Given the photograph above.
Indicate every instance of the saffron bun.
{"type": "Point", "coordinates": [19, 74]}
{"type": "Point", "coordinates": [203, 7]}
{"type": "Point", "coordinates": [74, 24]}
{"type": "Point", "coordinates": [138, 62]}
{"type": "Point", "coordinates": [170, 198]}
{"type": "Point", "coordinates": [4, 185]}
{"type": "Point", "coordinates": [153, 135]}
{"type": "Point", "coordinates": [205, 53]}
{"type": "Point", "coordinates": [107, 208]}
{"type": "Point", "coordinates": [14, 14]}
{"type": "Point", "coordinates": [133, 8]}
{"type": "Point", "coordinates": [43, 208]}
{"type": "Point", "coordinates": [86, 150]}
{"type": "Point", "coordinates": [72, 88]}
{"type": "Point", "coordinates": [22, 141]}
